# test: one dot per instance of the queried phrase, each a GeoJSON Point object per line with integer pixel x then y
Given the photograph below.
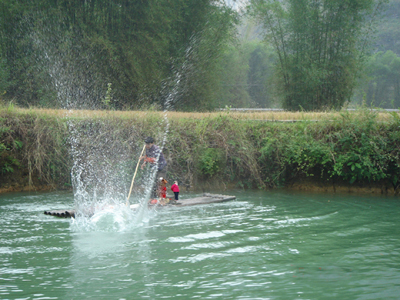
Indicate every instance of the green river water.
{"type": "Point", "coordinates": [264, 245]}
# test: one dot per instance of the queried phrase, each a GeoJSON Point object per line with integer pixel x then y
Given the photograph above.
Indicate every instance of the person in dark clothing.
{"type": "Point", "coordinates": [153, 155]}
{"type": "Point", "coordinates": [156, 159]}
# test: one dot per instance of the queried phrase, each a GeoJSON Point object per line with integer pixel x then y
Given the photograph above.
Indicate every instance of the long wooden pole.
{"type": "Point", "coordinates": [133, 179]}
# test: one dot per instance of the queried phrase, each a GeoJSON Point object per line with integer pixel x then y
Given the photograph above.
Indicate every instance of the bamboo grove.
{"type": "Point", "coordinates": [129, 54]}
{"type": "Point", "coordinates": [59, 52]}
{"type": "Point", "coordinates": [320, 45]}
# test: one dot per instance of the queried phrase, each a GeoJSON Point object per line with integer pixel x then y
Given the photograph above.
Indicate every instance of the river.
{"type": "Point", "coordinates": [263, 245]}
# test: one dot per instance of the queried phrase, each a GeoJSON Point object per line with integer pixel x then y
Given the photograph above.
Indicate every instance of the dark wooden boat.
{"type": "Point", "coordinates": [205, 199]}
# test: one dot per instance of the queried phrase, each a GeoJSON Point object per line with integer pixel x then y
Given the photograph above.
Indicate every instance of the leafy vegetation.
{"type": "Point", "coordinates": [7, 161]}
{"type": "Point", "coordinates": [351, 148]}
{"type": "Point", "coordinates": [68, 54]}
{"type": "Point", "coordinates": [34, 150]}
{"type": "Point", "coordinates": [246, 76]}
{"type": "Point", "coordinates": [319, 45]}
{"type": "Point", "coordinates": [381, 86]}
{"type": "Point", "coordinates": [64, 53]}
{"type": "Point", "coordinates": [388, 29]}
{"type": "Point", "coordinates": [210, 161]}
{"type": "Point", "coordinates": [348, 148]}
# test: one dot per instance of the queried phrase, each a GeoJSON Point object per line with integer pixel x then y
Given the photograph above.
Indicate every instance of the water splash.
{"type": "Point", "coordinates": [112, 218]}
{"type": "Point", "coordinates": [103, 156]}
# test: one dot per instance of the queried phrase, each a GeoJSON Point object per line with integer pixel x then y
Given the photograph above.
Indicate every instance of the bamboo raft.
{"type": "Point", "coordinates": [60, 213]}
{"type": "Point", "coordinates": [205, 199]}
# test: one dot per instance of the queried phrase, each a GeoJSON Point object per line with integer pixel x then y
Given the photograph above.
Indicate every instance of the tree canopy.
{"type": "Point", "coordinates": [71, 50]}
{"type": "Point", "coordinates": [319, 45]}
{"type": "Point", "coordinates": [139, 54]}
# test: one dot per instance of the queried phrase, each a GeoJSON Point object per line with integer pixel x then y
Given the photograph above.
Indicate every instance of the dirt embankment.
{"type": "Point", "coordinates": [21, 182]}
{"type": "Point", "coordinates": [329, 188]}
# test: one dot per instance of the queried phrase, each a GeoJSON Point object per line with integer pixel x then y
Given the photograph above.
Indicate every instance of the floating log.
{"type": "Point", "coordinates": [205, 199]}
{"type": "Point", "coordinates": [61, 213]}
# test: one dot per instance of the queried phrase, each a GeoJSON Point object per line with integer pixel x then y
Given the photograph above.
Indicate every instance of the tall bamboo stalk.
{"type": "Point", "coordinates": [134, 175]}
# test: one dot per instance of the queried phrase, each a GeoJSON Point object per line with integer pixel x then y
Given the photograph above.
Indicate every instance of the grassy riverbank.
{"type": "Point", "coordinates": [329, 151]}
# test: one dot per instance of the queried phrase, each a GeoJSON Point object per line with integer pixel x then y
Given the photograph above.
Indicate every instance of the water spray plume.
{"type": "Point", "coordinates": [101, 152]}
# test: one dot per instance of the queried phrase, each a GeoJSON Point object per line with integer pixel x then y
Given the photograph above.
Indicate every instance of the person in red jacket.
{"type": "Point", "coordinates": [162, 188]}
{"type": "Point", "coordinates": [161, 193]}
{"type": "Point", "coordinates": [175, 189]}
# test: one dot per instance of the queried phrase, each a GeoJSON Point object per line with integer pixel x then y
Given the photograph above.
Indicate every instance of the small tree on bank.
{"type": "Point", "coordinates": [319, 44]}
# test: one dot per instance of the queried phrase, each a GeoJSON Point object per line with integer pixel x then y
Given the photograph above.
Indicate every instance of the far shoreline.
{"type": "Point", "coordinates": [328, 188]}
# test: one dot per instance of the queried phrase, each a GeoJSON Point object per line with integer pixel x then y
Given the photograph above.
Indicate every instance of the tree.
{"type": "Point", "coordinates": [261, 66]}
{"type": "Point", "coordinates": [388, 29]}
{"type": "Point", "coordinates": [232, 78]}
{"type": "Point", "coordinates": [319, 44]}
{"type": "Point", "coordinates": [137, 46]}
{"type": "Point", "coordinates": [382, 86]}
{"type": "Point", "coordinates": [199, 67]}
{"type": "Point", "coordinates": [245, 75]}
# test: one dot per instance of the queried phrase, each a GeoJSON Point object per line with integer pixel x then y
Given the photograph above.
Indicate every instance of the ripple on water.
{"type": "Point", "coordinates": [273, 247]}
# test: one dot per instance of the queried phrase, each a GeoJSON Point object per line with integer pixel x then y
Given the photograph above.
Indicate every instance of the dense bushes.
{"type": "Point", "coordinates": [34, 149]}
{"type": "Point", "coordinates": [353, 149]}
{"type": "Point", "coordinates": [8, 162]}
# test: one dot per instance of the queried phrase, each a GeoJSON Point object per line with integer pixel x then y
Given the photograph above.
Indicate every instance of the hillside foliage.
{"type": "Point", "coordinates": [65, 53]}
{"type": "Point", "coordinates": [188, 55]}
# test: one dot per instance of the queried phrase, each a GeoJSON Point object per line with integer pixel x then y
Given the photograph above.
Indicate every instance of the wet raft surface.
{"type": "Point", "coordinates": [205, 199]}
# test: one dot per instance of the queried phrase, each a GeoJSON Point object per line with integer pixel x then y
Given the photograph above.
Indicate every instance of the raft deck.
{"type": "Point", "coordinates": [205, 199]}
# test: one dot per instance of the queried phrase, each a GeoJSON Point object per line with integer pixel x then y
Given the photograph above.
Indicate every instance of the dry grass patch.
{"type": "Point", "coordinates": [262, 116]}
